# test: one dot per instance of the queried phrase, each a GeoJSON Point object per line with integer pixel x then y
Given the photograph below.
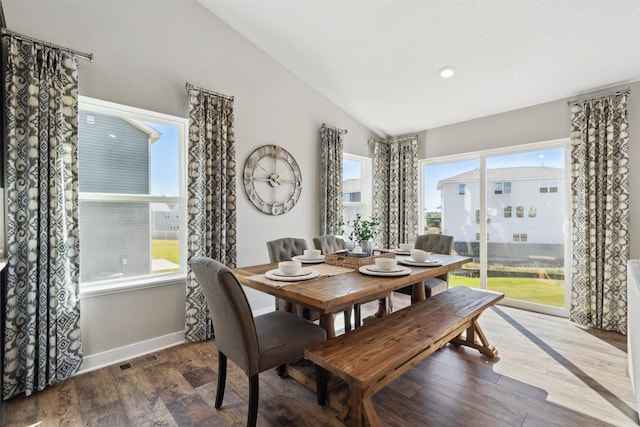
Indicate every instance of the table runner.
{"type": "Point", "coordinates": [324, 269]}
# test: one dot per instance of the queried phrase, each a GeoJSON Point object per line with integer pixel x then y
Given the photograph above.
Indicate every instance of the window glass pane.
{"type": "Point", "coordinates": [532, 272]}
{"type": "Point", "coordinates": [356, 189]}
{"type": "Point", "coordinates": [164, 167]}
{"type": "Point", "coordinates": [450, 202]}
{"type": "Point", "coordinates": [507, 211]}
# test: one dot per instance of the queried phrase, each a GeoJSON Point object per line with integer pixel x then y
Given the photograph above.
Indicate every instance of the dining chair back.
{"type": "Point", "coordinates": [438, 244]}
{"type": "Point", "coordinates": [328, 243]}
{"type": "Point", "coordinates": [254, 344]}
{"type": "Point", "coordinates": [286, 248]}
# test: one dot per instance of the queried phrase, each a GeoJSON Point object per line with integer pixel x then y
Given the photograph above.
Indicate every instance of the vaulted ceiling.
{"type": "Point", "coordinates": [379, 60]}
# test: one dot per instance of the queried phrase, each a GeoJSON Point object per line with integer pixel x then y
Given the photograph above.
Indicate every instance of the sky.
{"type": "Point", "coordinates": [164, 161]}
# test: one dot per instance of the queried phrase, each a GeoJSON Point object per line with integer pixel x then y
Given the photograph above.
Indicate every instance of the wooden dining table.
{"type": "Point", "coordinates": [336, 290]}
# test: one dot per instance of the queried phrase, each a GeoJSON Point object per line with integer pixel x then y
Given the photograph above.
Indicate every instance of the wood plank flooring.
{"type": "Point", "coordinates": [548, 373]}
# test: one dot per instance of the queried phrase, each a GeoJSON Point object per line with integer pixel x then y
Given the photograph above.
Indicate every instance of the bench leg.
{"type": "Point", "coordinates": [470, 340]}
{"type": "Point", "coordinates": [369, 413]}
{"type": "Point", "coordinates": [356, 406]}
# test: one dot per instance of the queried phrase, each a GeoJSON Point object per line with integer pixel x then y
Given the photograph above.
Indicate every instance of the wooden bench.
{"type": "Point", "coordinates": [372, 356]}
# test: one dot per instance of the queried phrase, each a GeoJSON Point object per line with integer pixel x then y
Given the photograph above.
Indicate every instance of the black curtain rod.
{"type": "Point", "coordinates": [626, 91]}
{"type": "Point", "coordinates": [6, 32]}
{"type": "Point", "coordinates": [324, 125]}
{"type": "Point", "coordinates": [189, 86]}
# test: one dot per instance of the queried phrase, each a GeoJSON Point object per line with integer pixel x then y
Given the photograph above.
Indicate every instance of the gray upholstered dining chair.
{"type": "Point", "coordinates": [285, 249]}
{"type": "Point", "coordinates": [254, 344]}
{"type": "Point", "coordinates": [328, 243]}
{"type": "Point", "coordinates": [438, 244]}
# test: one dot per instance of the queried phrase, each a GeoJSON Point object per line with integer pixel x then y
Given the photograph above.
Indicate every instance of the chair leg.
{"type": "Point", "coordinates": [254, 390]}
{"type": "Point", "coordinates": [321, 385]}
{"type": "Point", "coordinates": [347, 320]}
{"type": "Point", "coordinates": [222, 378]}
{"type": "Point", "coordinates": [282, 370]}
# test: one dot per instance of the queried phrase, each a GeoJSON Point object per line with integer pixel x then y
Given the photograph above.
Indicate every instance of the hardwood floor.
{"type": "Point", "coordinates": [548, 373]}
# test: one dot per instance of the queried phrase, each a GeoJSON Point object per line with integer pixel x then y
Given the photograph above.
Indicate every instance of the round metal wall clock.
{"type": "Point", "coordinates": [272, 179]}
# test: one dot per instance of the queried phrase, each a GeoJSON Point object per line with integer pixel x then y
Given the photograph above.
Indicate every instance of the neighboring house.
{"type": "Point", "coordinates": [114, 235]}
{"type": "Point", "coordinates": [165, 220]}
{"type": "Point", "coordinates": [525, 213]}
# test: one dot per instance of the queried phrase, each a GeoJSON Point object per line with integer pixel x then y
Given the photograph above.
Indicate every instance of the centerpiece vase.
{"type": "Point", "coordinates": [366, 246]}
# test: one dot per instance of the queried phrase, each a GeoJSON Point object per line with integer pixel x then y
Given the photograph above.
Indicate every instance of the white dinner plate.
{"type": "Point", "coordinates": [304, 260]}
{"type": "Point", "coordinates": [310, 273]}
{"type": "Point", "coordinates": [427, 263]}
{"type": "Point", "coordinates": [300, 273]}
{"type": "Point", "coordinates": [401, 252]}
{"type": "Point", "coordinates": [382, 270]}
{"type": "Point", "coordinates": [367, 269]}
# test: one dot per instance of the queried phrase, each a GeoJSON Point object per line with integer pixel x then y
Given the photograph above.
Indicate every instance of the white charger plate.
{"type": "Point", "coordinates": [305, 260]}
{"type": "Point", "coordinates": [427, 263]}
{"type": "Point", "coordinates": [372, 270]}
{"type": "Point", "coordinates": [305, 274]}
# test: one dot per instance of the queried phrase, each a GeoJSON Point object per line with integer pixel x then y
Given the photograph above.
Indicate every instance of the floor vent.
{"type": "Point", "coordinates": [138, 362]}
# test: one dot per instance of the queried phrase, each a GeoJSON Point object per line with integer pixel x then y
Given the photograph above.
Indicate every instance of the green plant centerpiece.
{"type": "Point", "coordinates": [363, 231]}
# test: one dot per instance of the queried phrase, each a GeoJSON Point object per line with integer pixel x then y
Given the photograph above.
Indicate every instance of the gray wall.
{"type": "Point", "coordinates": [145, 51]}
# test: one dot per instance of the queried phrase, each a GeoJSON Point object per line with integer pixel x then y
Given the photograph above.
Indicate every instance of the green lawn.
{"type": "Point", "coordinates": [165, 249]}
{"type": "Point", "coordinates": [540, 291]}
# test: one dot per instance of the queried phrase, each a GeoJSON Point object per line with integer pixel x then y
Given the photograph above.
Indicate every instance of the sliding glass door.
{"type": "Point", "coordinates": [508, 210]}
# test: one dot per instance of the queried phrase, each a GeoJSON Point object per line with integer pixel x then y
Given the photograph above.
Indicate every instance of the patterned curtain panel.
{"type": "Point", "coordinates": [600, 212]}
{"type": "Point", "coordinates": [395, 190]}
{"type": "Point", "coordinates": [331, 211]}
{"type": "Point", "coordinates": [42, 331]}
{"type": "Point", "coordinates": [211, 196]}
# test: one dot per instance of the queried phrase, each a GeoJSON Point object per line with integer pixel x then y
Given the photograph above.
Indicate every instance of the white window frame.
{"type": "Point", "coordinates": [90, 289]}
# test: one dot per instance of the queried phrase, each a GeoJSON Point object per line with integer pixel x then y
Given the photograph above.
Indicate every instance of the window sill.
{"type": "Point", "coordinates": [92, 291]}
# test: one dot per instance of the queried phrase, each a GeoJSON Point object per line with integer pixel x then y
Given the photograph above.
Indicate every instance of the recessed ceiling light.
{"type": "Point", "coordinates": [446, 72]}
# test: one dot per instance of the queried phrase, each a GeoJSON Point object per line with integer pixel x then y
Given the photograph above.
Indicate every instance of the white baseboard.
{"type": "Point", "coordinates": [128, 352]}
{"type": "Point", "coordinates": [111, 357]}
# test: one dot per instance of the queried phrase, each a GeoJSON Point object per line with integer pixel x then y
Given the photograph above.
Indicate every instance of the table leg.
{"type": "Point", "coordinates": [418, 293]}
{"type": "Point", "coordinates": [289, 307]}
{"type": "Point", "coordinates": [356, 406]}
{"type": "Point", "coordinates": [327, 322]}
